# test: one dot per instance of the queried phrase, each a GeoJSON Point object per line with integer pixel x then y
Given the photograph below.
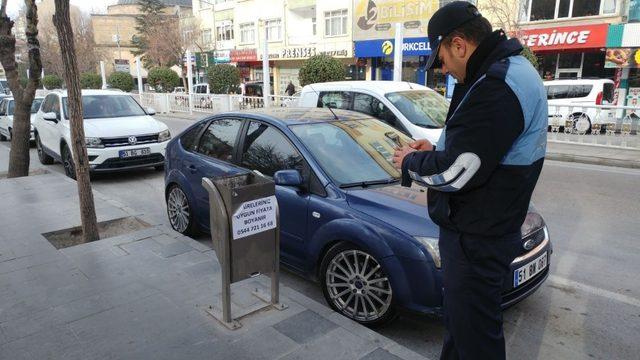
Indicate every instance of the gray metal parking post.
{"type": "Point", "coordinates": [245, 230]}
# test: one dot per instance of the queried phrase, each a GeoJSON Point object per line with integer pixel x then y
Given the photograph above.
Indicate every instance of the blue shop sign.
{"type": "Point", "coordinates": [382, 48]}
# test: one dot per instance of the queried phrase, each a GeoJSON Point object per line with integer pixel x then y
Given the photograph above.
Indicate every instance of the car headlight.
{"type": "Point", "coordinates": [431, 244]}
{"type": "Point", "coordinates": [93, 142]}
{"type": "Point", "coordinates": [532, 222]}
{"type": "Point", "coordinates": [164, 136]}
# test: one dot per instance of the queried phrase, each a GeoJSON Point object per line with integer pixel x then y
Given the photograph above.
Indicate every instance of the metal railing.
{"type": "Point", "coordinates": [597, 125]}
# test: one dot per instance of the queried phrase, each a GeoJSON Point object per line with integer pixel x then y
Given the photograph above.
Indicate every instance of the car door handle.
{"type": "Point", "coordinates": [192, 169]}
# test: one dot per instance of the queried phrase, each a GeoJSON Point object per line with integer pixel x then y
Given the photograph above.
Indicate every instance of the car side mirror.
{"type": "Point", "coordinates": [288, 178]}
{"type": "Point", "coordinates": [50, 116]}
{"type": "Point", "coordinates": [150, 111]}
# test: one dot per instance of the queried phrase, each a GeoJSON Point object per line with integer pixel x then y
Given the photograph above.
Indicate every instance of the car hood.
{"type": "Point", "coordinates": [122, 126]}
{"type": "Point", "coordinates": [401, 207]}
{"type": "Point", "coordinates": [423, 133]}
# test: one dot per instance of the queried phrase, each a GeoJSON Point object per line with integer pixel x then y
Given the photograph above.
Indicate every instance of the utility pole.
{"type": "Point", "coordinates": [397, 54]}
{"type": "Point", "coordinates": [266, 81]}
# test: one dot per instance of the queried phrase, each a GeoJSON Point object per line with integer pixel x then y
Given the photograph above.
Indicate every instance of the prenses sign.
{"type": "Point", "coordinates": [567, 37]}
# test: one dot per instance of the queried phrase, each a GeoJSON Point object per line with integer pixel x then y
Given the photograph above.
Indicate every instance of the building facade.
{"type": "Point", "coordinates": [114, 31]}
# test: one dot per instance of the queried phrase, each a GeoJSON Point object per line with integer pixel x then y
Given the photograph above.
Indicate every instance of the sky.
{"type": "Point", "coordinates": [87, 6]}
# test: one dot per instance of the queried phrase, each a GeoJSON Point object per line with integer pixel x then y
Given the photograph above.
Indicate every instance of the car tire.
{"type": "Point", "coordinates": [576, 117]}
{"type": "Point", "coordinates": [355, 284]}
{"type": "Point", "coordinates": [159, 167]}
{"type": "Point", "coordinates": [10, 134]}
{"type": "Point", "coordinates": [180, 211]}
{"type": "Point", "coordinates": [44, 158]}
{"type": "Point", "coordinates": [67, 162]}
{"type": "Point", "coordinates": [3, 138]}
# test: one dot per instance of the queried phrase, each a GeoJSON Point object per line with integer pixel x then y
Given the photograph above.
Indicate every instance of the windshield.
{"type": "Point", "coordinates": [35, 105]}
{"type": "Point", "coordinates": [352, 151]}
{"type": "Point", "coordinates": [107, 106]}
{"type": "Point", "coordinates": [424, 108]}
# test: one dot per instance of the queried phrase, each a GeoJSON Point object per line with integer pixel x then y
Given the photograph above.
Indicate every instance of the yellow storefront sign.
{"type": "Point", "coordinates": [375, 19]}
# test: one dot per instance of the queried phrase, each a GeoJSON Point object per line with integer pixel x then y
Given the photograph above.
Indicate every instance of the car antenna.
{"type": "Point", "coordinates": [408, 83]}
{"type": "Point", "coordinates": [328, 107]}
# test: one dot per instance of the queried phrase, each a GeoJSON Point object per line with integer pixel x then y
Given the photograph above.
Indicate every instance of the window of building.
{"type": "Point", "coordinates": [219, 139]}
{"type": "Point", "coordinates": [535, 10]}
{"type": "Point", "coordinates": [335, 23]}
{"type": "Point", "coordinates": [273, 29]}
{"type": "Point", "coordinates": [267, 150]}
{"type": "Point", "coordinates": [224, 31]}
{"type": "Point", "coordinates": [247, 33]}
{"type": "Point", "coordinates": [206, 36]}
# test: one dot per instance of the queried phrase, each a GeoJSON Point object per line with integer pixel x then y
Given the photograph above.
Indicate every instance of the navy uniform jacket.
{"type": "Point", "coordinates": [489, 157]}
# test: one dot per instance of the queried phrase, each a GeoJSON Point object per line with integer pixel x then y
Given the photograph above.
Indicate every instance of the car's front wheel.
{"type": "Point", "coordinates": [67, 162]}
{"type": "Point", "coordinates": [355, 284]}
{"type": "Point", "coordinates": [180, 212]}
{"type": "Point", "coordinates": [44, 158]}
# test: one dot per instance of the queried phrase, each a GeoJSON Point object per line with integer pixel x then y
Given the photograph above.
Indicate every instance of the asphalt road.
{"type": "Point", "coordinates": [588, 308]}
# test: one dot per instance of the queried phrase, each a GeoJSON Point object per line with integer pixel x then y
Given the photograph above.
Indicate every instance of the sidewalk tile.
{"type": "Point", "coordinates": [305, 327]}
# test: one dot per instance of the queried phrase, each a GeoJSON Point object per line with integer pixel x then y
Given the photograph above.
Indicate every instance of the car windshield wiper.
{"type": "Point", "coordinates": [369, 183]}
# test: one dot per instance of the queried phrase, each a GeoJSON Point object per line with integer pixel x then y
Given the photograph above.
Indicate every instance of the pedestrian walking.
{"type": "Point", "coordinates": [291, 89]}
{"type": "Point", "coordinates": [481, 173]}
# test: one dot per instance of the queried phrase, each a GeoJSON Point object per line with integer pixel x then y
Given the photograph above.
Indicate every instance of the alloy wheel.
{"type": "Point", "coordinates": [358, 286]}
{"type": "Point", "coordinates": [178, 209]}
{"type": "Point", "coordinates": [67, 162]}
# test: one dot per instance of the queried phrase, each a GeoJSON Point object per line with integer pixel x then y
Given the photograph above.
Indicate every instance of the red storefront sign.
{"type": "Point", "coordinates": [243, 55]}
{"type": "Point", "coordinates": [566, 37]}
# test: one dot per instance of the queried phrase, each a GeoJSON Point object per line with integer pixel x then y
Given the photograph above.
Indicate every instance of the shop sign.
{"type": "Point", "coordinates": [622, 58]}
{"type": "Point", "coordinates": [122, 65]}
{"type": "Point", "coordinates": [222, 56]}
{"type": "Point", "coordinates": [382, 48]}
{"type": "Point", "coordinates": [375, 19]}
{"type": "Point", "coordinates": [244, 55]}
{"type": "Point", "coordinates": [293, 53]}
{"type": "Point", "coordinates": [567, 37]}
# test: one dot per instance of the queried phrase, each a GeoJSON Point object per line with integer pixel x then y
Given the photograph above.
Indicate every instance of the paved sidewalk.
{"type": "Point", "coordinates": [142, 295]}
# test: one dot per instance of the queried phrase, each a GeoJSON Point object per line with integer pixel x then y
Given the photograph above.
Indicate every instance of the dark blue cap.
{"type": "Point", "coordinates": [444, 21]}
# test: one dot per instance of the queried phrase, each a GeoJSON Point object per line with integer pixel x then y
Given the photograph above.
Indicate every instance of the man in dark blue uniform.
{"type": "Point", "coordinates": [481, 173]}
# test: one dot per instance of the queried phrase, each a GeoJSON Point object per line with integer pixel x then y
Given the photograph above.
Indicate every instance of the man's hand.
{"type": "Point", "coordinates": [422, 145]}
{"type": "Point", "coordinates": [399, 155]}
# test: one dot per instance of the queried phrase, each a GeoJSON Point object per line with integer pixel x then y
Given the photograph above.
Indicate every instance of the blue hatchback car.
{"type": "Point", "coordinates": [345, 220]}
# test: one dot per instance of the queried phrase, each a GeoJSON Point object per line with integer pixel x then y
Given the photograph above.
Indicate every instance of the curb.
{"type": "Point", "coordinates": [184, 116]}
{"type": "Point", "coordinates": [593, 160]}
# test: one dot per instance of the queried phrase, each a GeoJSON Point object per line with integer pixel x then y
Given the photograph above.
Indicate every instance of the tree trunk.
{"type": "Point", "coordinates": [23, 97]}
{"type": "Point", "coordinates": [62, 21]}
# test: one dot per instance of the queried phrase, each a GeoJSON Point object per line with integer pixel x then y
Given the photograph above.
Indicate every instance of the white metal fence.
{"type": "Point", "coordinates": [598, 125]}
{"type": "Point", "coordinates": [209, 103]}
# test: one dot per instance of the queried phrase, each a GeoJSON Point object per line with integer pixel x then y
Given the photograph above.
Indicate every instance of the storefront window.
{"type": "Point", "coordinates": [437, 80]}
{"type": "Point", "coordinates": [570, 60]}
{"type": "Point", "coordinates": [547, 65]}
{"type": "Point", "coordinates": [593, 66]}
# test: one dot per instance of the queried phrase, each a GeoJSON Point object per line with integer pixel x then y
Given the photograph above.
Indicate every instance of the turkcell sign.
{"type": "Point", "coordinates": [381, 48]}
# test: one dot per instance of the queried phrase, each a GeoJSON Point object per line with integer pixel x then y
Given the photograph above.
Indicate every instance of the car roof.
{"type": "Point", "coordinates": [577, 81]}
{"type": "Point", "coordinates": [377, 86]}
{"type": "Point", "coordinates": [90, 92]}
{"type": "Point", "coordinates": [299, 115]}
{"type": "Point", "coordinates": [9, 98]}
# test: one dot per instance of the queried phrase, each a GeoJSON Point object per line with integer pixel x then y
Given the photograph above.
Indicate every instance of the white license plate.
{"type": "Point", "coordinates": [134, 152]}
{"type": "Point", "coordinates": [526, 272]}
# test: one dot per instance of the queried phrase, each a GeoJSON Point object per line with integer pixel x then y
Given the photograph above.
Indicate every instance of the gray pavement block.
{"type": "Point", "coordinates": [148, 321]}
{"type": "Point", "coordinates": [57, 342]}
{"type": "Point", "coordinates": [173, 249]}
{"type": "Point", "coordinates": [380, 354]}
{"type": "Point", "coordinates": [338, 344]}
{"type": "Point", "coordinates": [403, 353]}
{"type": "Point", "coordinates": [260, 344]}
{"type": "Point", "coordinates": [305, 327]}
{"type": "Point", "coordinates": [359, 330]}
{"type": "Point", "coordinates": [140, 246]}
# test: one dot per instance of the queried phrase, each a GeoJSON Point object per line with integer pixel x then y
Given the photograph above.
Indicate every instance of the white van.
{"type": "Point", "coordinates": [416, 110]}
{"type": "Point", "coordinates": [565, 98]}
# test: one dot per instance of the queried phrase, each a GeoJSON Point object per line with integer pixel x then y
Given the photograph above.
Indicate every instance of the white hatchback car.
{"type": "Point", "coordinates": [120, 134]}
{"type": "Point", "coordinates": [416, 110]}
{"type": "Point", "coordinates": [576, 101]}
{"type": "Point", "coordinates": [7, 109]}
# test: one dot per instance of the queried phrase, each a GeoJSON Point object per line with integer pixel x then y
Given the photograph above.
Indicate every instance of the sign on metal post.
{"type": "Point", "coordinates": [245, 232]}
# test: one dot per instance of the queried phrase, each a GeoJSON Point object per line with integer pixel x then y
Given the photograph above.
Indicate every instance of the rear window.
{"type": "Point", "coordinates": [568, 91]}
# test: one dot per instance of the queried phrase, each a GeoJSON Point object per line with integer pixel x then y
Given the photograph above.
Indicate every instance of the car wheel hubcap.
{"type": "Point", "coordinates": [178, 209]}
{"type": "Point", "coordinates": [358, 286]}
{"type": "Point", "coordinates": [68, 163]}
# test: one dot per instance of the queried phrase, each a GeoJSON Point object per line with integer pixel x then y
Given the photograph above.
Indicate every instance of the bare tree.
{"type": "Point", "coordinates": [23, 95]}
{"type": "Point", "coordinates": [502, 13]}
{"type": "Point", "coordinates": [62, 21]}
